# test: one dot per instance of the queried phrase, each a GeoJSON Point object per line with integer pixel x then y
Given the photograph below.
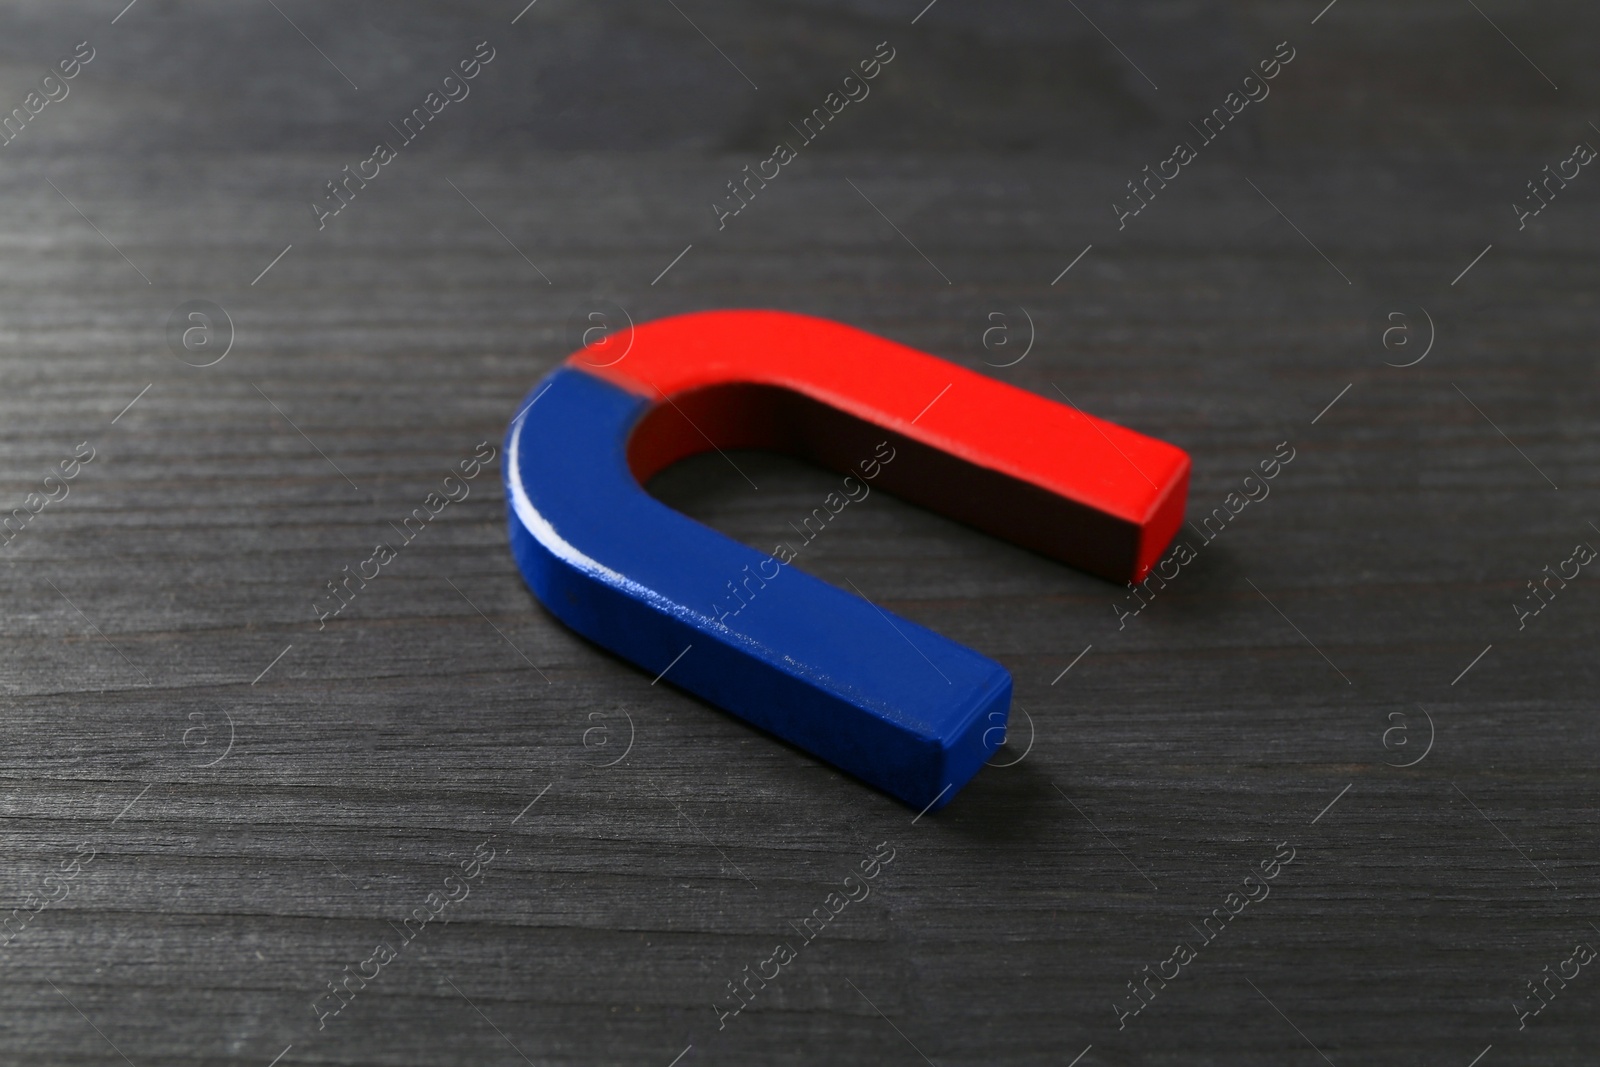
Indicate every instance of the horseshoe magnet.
{"type": "Point", "coordinates": [893, 703]}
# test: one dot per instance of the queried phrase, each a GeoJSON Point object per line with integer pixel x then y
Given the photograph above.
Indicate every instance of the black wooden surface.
{"type": "Point", "coordinates": [267, 801]}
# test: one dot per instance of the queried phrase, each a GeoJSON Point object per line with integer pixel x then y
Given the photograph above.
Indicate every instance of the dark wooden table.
{"type": "Point", "coordinates": [213, 807]}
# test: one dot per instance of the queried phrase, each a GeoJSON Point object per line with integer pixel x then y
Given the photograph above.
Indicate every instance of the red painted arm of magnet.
{"type": "Point", "coordinates": [1025, 468]}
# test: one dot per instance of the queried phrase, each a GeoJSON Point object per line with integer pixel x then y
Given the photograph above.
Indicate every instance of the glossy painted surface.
{"type": "Point", "coordinates": [895, 704]}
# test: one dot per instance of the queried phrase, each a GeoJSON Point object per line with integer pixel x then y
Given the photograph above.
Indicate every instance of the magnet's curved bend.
{"type": "Point", "coordinates": [892, 702]}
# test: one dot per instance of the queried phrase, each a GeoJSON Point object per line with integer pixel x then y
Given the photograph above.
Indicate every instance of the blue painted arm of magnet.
{"type": "Point", "coordinates": [894, 703]}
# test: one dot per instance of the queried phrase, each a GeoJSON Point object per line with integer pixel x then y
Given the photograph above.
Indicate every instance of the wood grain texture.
{"type": "Point", "coordinates": [146, 612]}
